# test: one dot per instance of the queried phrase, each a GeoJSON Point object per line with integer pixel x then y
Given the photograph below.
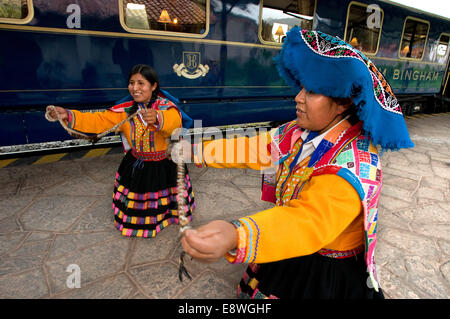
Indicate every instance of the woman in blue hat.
{"type": "Point", "coordinates": [319, 239]}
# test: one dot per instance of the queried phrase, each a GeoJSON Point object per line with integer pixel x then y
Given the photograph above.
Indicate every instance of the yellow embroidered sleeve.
{"type": "Point", "coordinates": [238, 152]}
{"type": "Point", "coordinates": [322, 217]}
{"type": "Point", "coordinates": [97, 122]}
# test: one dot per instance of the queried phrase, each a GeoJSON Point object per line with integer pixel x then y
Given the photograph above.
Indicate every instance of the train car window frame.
{"type": "Point", "coordinates": [403, 33]}
{"type": "Point", "coordinates": [162, 32]}
{"type": "Point", "coordinates": [448, 46]}
{"type": "Point", "coordinates": [365, 5]}
{"type": "Point", "coordinates": [261, 7]}
{"type": "Point", "coordinates": [24, 20]}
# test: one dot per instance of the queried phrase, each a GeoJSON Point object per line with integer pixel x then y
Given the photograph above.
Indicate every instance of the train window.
{"type": "Point", "coordinates": [277, 17]}
{"type": "Point", "coordinates": [16, 11]}
{"type": "Point", "coordinates": [415, 33]}
{"type": "Point", "coordinates": [165, 16]}
{"type": "Point", "coordinates": [363, 29]}
{"type": "Point", "coordinates": [442, 48]}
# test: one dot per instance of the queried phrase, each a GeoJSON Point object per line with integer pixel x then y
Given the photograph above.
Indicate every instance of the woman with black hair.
{"type": "Point", "coordinates": [145, 187]}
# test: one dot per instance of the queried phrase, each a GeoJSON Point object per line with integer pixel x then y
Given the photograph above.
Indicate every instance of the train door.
{"type": "Point", "coordinates": [446, 88]}
{"type": "Point", "coordinates": [443, 52]}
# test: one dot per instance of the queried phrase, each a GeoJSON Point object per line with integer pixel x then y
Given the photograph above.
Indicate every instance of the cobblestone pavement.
{"type": "Point", "coordinates": [55, 216]}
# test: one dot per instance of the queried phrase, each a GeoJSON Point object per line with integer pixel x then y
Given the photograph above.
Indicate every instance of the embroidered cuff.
{"type": "Point", "coordinates": [159, 120]}
{"type": "Point", "coordinates": [70, 119]}
{"type": "Point", "coordinates": [238, 256]}
{"type": "Point", "coordinates": [252, 238]}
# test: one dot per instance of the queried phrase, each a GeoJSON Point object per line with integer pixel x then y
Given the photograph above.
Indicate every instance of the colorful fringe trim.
{"type": "Point", "coordinates": [148, 195]}
{"type": "Point", "coordinates": [148, 220]}
{"type": "Point", "coordinates": [149, 202]}
{"type": "Point", "coordinates": [145, 233]}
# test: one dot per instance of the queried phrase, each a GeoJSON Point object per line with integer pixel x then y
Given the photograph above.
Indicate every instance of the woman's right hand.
{"type": "Point", "coordinates": [62, 112]}
{"type": "Point", "coordinates": [210, 242]}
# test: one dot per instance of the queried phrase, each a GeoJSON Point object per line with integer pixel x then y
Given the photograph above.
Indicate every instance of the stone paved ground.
{"type": "Point", "coordinates": [56, 215]}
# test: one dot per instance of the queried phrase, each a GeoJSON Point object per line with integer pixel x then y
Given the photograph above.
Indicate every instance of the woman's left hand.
{"type": "Point", "coordinates": [149, 116]}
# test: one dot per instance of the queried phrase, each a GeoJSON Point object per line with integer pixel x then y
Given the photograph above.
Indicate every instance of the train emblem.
{"type": "Point", "coordinates": [191, 68]}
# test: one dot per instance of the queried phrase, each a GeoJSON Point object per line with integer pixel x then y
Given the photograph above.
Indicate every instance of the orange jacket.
{"type": "Point", "coordinates": [327, 212]}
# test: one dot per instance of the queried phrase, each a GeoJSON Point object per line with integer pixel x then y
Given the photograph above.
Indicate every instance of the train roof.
{"type": "Point", "coordinates": [415, 9]}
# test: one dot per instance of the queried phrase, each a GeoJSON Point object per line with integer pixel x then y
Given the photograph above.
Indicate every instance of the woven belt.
{"type": "Point", "coordinates": [149, 156]}
{"type": "Point", "coordinates": [341, 254]}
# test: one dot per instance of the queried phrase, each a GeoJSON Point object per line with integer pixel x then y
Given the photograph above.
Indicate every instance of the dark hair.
{"type": "Point", "coordinates": [149, 73]}
{"type": "Point", "coordinates": [352, 109]}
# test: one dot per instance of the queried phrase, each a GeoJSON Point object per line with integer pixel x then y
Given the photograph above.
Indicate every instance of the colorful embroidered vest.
{"type": "Point", "coordinates": [346, 151]}
{"type": "Point", "coordinates": [142, 140]}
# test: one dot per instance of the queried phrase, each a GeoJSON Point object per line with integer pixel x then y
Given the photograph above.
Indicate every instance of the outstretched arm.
{"type": "Point", "coordinates": [97, 122]}
{"type": "Point", "coordinates": [324, 209]}
{"type": "Point", "coordinates": [237, 152]}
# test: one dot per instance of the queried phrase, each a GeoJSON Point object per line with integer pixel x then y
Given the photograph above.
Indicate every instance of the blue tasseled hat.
{"type": "Point", "coordinates": [327, 65]}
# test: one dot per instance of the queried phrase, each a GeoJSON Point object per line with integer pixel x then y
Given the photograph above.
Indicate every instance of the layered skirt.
{"type": "Point", "coordinates": [315, 276]}
{"type": "Point", "coordinates": [145, 194]}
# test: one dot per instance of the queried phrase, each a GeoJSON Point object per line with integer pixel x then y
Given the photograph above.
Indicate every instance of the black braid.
{"type": "Point", "coordinates": [132, 109]}
{"type": "Point", "coordinates": [155, 94]}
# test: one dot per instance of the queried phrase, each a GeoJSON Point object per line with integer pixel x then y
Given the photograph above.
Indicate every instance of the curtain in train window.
{"type": "Point", "coordinates": [13, 9]}
{"type": "Point", "coordinates": [187, 16]}
{"type": "Point", "coordinates": [363, 29]}
{"type": "Point", "coordinates": [414, 38]}
{"type": "Point", "coordinates": [279, 16]}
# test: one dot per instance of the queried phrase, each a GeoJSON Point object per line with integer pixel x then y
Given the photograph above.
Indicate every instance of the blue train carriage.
{"type": "Point", "coordinates": [410, 47]}
{"type": "Point", "coordinates": [215, 56]}
{"type": "Point", "coordinates": [78, 54]}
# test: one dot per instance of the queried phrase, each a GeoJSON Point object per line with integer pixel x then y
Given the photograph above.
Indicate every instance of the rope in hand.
{"type": "Point", "coordinates": [91, 138]}
{"type": "Point", "coordinates": [183, 221]}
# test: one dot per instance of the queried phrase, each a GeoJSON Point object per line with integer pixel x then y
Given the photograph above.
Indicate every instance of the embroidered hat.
{"type": "Point", "coordinates": [327, 65]}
